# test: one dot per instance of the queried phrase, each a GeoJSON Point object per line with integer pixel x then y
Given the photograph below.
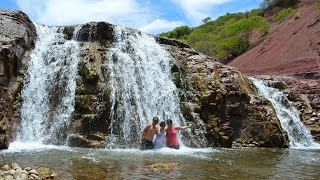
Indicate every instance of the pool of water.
{"type": "Point", "coordinates": [207, 163]}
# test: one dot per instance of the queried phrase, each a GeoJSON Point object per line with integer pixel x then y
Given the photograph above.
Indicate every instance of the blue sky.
{"type": "Point", "coordinates": [151, 16]}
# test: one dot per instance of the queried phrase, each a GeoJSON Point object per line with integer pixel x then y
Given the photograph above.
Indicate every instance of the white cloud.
{"type": "Point", "coordinates": [196, 10]}
{"type": "Point", "coordinates": [129, 13]}
{"type": "Point", "coordinates": [160, 25]}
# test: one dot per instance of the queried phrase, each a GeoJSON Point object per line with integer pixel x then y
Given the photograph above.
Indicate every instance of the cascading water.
{"type": "Point", "coordinates": [49, 90]}
{"type": "Point", "coordinates": [299, 136]}
{"type": "Point", "coordinates": [141, 86]}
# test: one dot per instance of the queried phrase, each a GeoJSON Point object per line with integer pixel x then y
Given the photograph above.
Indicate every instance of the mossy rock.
{"type": "Point", "coordinates": [176, 79]}
{"type": "Point", "coordinates": [85, 103]}
{"type": "Point", "coordinates": [86, 87]}
{"type": "Point", "coordinates": [163, 166]}
{"type": "Point", "coordinates": [89, 71]}
{"type": "Point", "coordinates": [45, 173]}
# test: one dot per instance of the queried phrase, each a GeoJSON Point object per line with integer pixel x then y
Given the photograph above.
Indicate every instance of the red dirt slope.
{"type": "Point", "coordinates": [293, 46]}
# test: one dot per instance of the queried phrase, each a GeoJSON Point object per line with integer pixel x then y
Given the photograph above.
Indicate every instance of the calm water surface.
{"type": "Point", "coordinates": [78, 163]}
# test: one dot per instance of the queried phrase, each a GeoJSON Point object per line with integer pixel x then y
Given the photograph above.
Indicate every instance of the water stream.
{"type": "Point", "coordinates": [289, 116]}
{"type": "Point", "coordinates": [141, 85]}
{"type": "Point", "coordinates": [49, 90]}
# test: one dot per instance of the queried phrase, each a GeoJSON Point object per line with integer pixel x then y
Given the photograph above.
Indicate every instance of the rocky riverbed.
{"type": "Point", "coordinates": [17, 172]}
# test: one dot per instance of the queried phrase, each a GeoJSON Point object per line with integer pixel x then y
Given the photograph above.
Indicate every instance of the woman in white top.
{"type": "Point", "coordinates": [160, 136]}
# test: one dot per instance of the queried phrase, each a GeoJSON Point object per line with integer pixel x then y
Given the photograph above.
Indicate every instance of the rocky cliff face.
{"type": "Point", "coordinates": [217, 98]}
{"type": "Point", "coordinates": [291, 47]}
{"type": "Point", "coordinates": [16, 40]}
{"type": "Point", "coordinates": [225, 101]}
{"type": "Point", "coordinates": [305, 93]}
{"type": "Point", "coordinates": [290, 54]}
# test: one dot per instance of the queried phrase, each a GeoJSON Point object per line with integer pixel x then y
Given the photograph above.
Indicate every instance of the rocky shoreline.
{"type": "Point", "coordinates": [15, 171]}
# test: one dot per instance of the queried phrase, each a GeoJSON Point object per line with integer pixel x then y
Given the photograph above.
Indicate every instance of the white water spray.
{"type": "Point", "coordinates": [49, 90]}
{"type": "Point", "coordinates": [299, 135]}
{"type": "Point", "coordinates": [141, 86]}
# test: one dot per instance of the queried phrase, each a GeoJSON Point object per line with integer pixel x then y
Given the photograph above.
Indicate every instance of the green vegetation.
{"type": "Point", "coordinates": [276, 5]}
{"type": "Point", "coordinates": [228, 36]}
{"type": "Point", "coordinates": [282, 14]}
{"type": "Point", "coordinates": [178, 32]}
{"type": "Point", "coordinates": [317, 5]}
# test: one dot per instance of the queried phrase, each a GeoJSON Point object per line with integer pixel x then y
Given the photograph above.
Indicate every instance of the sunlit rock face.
{"type": "Point", "coordinates": [17, 37]}
{"type": "Point", "coordinates": [225, 101]}
{"type": "Point", "coordinates": [125, 77]}
{"type": "Point", "coordinates": [304, 91]}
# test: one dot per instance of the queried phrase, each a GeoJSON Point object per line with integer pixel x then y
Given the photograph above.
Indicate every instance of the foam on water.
{"type": "Point", "coordinates": [33, 147]}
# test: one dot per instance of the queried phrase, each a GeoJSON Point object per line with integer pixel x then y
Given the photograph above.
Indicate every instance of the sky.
{"type": "Point", "coordinates": [151, 16]}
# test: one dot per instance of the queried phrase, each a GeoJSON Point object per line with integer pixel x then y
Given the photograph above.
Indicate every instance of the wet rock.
{"type": "Point", "coordinates": [77, 140]}
{"type": "Point", "coordinates": [33, 171]}
{"type": "Point", "coordinates": [304, 92]}
{"type": "Point", "coordinates": [167, 41]}
{"type": "Point", "coordinates": [226, 102]}
{"type": "Point", "coordinates": [17, 39]}
{"type": "Point", "coordinates": [28, 173]}
{"type": "Point", "coordinates": [6, 167]}
{"type": "Point", "coordinates": [101, 32]}
{"type": "Point", "coordinates": [22, 176]}
{"type": "Point", "coordinates": [15, 166]}
{"type": "Point", "coordinates": [163, 166]}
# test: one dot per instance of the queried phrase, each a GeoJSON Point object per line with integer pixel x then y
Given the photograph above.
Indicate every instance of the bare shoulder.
{"type": "Point", "coordinates": [147, 127]}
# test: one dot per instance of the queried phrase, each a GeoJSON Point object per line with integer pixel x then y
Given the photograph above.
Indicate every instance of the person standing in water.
{"type": "Point", "coordinates": [171, 133]}
{"type": "Point", "coordinates": [159, 141]}
{"type": "Point", "coordinates": [148, 133]}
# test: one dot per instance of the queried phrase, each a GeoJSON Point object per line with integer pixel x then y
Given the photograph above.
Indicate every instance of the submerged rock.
{"type": "Point", "coordinates": [163, 166]}
{"type": "Point", "coordinates": [90, 141]}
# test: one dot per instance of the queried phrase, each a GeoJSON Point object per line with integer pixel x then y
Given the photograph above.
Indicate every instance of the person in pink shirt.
{"type": "Point", "coordinates": [171, 134]}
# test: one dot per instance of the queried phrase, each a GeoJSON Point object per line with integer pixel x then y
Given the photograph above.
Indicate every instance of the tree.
{"type": "Point", "coordinates": [205, 20]}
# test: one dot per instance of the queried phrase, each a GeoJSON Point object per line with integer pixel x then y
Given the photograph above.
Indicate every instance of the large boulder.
{"type": "Point", "coordinates": [17, 38]}
{"type": "Point", "coordinates": [225, 101]}
{"type": "Point", "coordinates": [92, 91]}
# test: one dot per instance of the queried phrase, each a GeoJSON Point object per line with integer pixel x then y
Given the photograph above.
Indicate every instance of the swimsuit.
{"type": "Point", "coordinates": [172, 140]}
{"type": "Point", "coordinates": [158, 142]}
{"type": "Point", "coordinates": [146, 144]}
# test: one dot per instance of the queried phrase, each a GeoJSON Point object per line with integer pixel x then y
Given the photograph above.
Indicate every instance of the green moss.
{"type": "Point", "coordinates": [177, 79]}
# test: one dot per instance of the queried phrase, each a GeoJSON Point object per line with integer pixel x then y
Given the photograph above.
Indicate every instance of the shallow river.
{"type": "Point", "coordinates": [208, 163]}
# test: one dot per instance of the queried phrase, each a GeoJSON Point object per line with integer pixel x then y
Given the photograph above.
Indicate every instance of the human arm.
{"type": "Point", "coordinates": [183, 127]}
{"type": "Point", "coordinates": [144, 132]}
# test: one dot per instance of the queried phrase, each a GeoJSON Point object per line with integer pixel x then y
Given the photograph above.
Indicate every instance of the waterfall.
{"type": "Point", "coordinates": [141, 86]}
{"type": "Point", "coordinates": [299, 135]}
{"type": "Point", "coordinates": [49, 88]}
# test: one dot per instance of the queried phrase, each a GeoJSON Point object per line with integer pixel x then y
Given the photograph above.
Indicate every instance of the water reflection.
{"type": "Point", "coordinates": [77, 163]}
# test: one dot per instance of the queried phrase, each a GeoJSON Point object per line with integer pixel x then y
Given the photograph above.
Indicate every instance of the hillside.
{"type": "Point", "coordinates": [292, 46]}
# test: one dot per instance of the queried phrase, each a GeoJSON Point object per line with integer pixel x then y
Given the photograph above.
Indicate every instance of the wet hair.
{"type": "Point", "coordinates": [155, 119]}
{"type": "Point", "coordinates": [169, 121]}
{"type": "Point", "coordinates": [162, 124]}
